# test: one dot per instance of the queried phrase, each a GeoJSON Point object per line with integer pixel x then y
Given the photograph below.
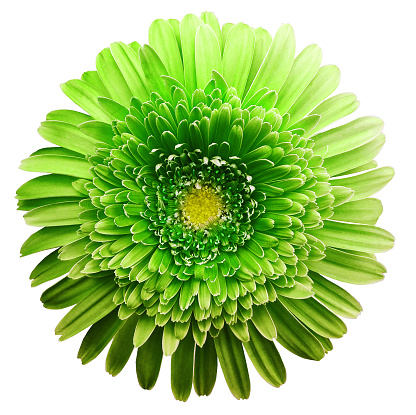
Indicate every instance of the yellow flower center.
{"type": "Point", "coordinates": [201, 207]}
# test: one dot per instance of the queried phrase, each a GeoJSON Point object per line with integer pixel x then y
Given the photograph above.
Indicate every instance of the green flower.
{"type": "Point", "coordinates": [199, 205]}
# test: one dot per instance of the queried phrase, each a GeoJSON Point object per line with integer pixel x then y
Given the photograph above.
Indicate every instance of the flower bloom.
{"type": "Point", "coordinates": [200, 206]}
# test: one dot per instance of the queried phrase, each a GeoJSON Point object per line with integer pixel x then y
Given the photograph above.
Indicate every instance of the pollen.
{"type": "Point", "coordinates": [201, 207]}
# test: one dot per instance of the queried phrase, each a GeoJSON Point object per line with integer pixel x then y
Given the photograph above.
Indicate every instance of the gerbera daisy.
{"type": "Point", "coordinates": [199, 206]}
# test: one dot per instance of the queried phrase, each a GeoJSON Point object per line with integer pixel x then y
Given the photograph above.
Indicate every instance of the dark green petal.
{"type": "Point", "coordinates": [265, 357]}
{"type": "Point", "coordinates": [182, 368]}
{"type": "Point", "coordinates": [149, 359]}
{"type": "Point", "coordinates": [98, 336]}
{"type": "Point", "coordinates": [88, 311]}
{"type": "Point", "coordinates": [314, 315]}
{"type": "Point", "coordinates": [121, 347]}
{"type": "Point", "coordinates": [233, 363]}
{"type": "Point", "coordinates": [292, 335]}
{"type": "Point", "coordinates": [205, 367]}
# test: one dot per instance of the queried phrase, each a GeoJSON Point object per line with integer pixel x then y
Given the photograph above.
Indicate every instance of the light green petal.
{"type": "Point", "coordinates": [354, 158]}
{"type": "Point", "coordinates": [348, 136]}
{"type": "Point", "coordinates": [69, 116]}
{"type": "Point", "coordinates": [280, 55]}
{"type": "Point", "coordinates": [144, 329]}
{"type": "Point", "coordinates": [323, 84]}
{"type": "Point", "coordinates": [35, 203]}
{"type": "Point", "coordinates": [98, 130]}
{"type": "Point", "coordinates": [346, 267]}
{"type": "Point", "coordinates": [334, 297]}
{"type": "Point", "coordinates": [307, 124]}
{"type": "Point", "coordinates": [163, 40]}
{"type": "Point", "coordinates": [116, 110]}
{"type": "Point", "coordinates": [56, 214]}
{"type": "Point", "coordinates": [57, 151]}
{"type": "Point", "coordinates": [188, 27]}
{"type": "Point", "coordinates": [71, 166]}
{"type": "Point", "coordinates": [298, 291]}
{"type": "Point", "coordinates": [47, 238]}
{"type": "Point", "coordinates": [226, 27]}
{"type": "Point", "coordinates": [366, 211]}
{"type": "Point", "coordinates": [112, 77]}
{"type": "Point", "coordinates": [303, 70]}
{"type": "Point", "coordinates": [367, 166]}
{"type": "Point", "coordinates": [50, 185]}
{"type": "Point", "coordinates": [129, 64]}
{"type": "Point", "coordinates": [85, 96]}
{"type": "Point", "coordinates": [263, 40]}
{"type": "Point", "coordinates": [92, 78]}
{"type": "Point", "coordinates": [153, 69]}
{"type": "Point", "coordinates": [174, 23]}
{"type": "Point", "coordinates": [49, 268]}
{"type": "Point", "coordinates": [210, 19]}
{"type": "Point", "coordinates": [365, 238]}
{"type": "Point", "coordinates": [207, 55]}
{"type": "Point", "coordinates": [238, 55]}
{"type": "Point", "coordinates": [240, 330]}
{"type": "Point", "coordinates": [263, 322]}
{"type": "Point", "coordinates": [365, 184]}
{"type": "Point", "coordinates": [333, 109]}
{"type": "Point", "coordinates": [169, 342]}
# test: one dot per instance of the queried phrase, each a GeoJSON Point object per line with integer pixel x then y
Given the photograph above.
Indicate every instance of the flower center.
{"type": "Point", "coordinates": [201, 206]}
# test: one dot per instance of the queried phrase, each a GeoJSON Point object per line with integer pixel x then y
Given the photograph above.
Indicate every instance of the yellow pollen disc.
{"type": "Point", "coordinates": [201, 207]}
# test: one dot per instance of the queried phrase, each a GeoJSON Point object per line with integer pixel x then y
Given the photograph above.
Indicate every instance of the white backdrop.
{"type": "Point", "coordinates": [371, 370]}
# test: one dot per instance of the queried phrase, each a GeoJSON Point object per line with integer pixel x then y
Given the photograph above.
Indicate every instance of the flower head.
{"type": "Point", "coordinates": [198, 206]}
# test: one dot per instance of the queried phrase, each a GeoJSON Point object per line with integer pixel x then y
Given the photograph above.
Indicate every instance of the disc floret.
{"type": "Point", "coordinates": [201, 206]}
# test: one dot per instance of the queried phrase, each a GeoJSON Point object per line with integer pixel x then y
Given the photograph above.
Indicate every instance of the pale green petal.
{"type": "Point", "coordinates": [47, 238]}
{"type": "Point", "coordinates": [70, 116]}
{"type": "Point", "coordinates": [348, 136]}
{"type": "Point", "coordinates": [333, 109]}
{"type": "Point", "coordinates": [354, 158]}
{"type": "Point", "coordinates": [365, 184]}
{"type": "Point", "coordinates": [334, 297]}
{"type": "Point", "coordinates": [50, 185]}
{"type": "Point", "coordinates": [68, 136]}
{"type": "Point", "coordinates": [346, 267]}
{"type": "Point", "coordinates": [322, 85]}
{"type": "Point", "coordinates": [280, 55]}
{"type": "Point", "coordinates": [129, 64]}
{"type": "Point", "coordinates": [57, 214]}
{"type": "Point", "coordinates": [238, 55]}
{"type": "Point", "coordinates": [188, 27]}
{"type": "Point", "coordinates": [112, 77]}
{"type": "Point", "coordinates": [71, 166]}
{"type": "Point", "coordinates": [365, 238]}
{"type": "Point", "coordinates": [303, 70]}
{"type": "Point", "coordinates": [365, 211]}
{"type": "Point", "coordinates": [85, 96]}
{"type": "Point", "coordinates": [207, 55]}
{"type": "Point", "coordinates": [162, 39]}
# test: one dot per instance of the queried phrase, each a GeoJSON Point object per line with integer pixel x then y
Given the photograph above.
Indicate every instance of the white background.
{"type": "Point", "coordinates": [371, 370]}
